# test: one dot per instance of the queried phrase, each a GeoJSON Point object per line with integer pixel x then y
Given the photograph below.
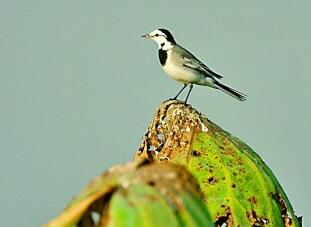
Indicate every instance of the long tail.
{"type": "Point", "coordinates": [230, 91]}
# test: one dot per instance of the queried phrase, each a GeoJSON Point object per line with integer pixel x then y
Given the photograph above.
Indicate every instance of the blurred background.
{"type": "Point", "coordinates": [78, 88]}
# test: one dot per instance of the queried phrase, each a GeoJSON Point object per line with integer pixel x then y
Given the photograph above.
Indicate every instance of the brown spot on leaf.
{"type": "Point", "coordinates": [195, 153]}
{"type": "Point", "coordinates": [212, 180]}
{"type": "Point", "coordinates": [225, 220]}
{"type": "Point", "coordinates": [287, 220]}
{"type": "Point", "coordinates": [255, 220]}
{"type": "Point", "coordinates": [252, 200]}
{"type": "Point", "coordinates": [151, 183]}
{"type": "Point", "coordinates": [242, 170]}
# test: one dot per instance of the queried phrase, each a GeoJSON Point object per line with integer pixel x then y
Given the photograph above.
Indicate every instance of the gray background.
{"type": "Point", "coordinates": [78, 87]}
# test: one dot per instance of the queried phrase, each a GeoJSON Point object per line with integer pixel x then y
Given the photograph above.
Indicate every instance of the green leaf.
{"type": "Point", "coordinates": [138, 195]}
{"type": "Point", "coordinates": [239, 188]}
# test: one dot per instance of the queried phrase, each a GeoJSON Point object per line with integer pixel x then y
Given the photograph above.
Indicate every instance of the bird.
{"type": "Point", "coordinates": [184, 67]}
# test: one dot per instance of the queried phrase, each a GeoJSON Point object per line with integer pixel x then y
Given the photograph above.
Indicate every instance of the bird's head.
{"type": "Point", "coordinates": [162, 37]}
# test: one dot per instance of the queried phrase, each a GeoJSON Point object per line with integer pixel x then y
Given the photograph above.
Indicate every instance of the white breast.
{"type": "Point", "coordinates": [177, 71]}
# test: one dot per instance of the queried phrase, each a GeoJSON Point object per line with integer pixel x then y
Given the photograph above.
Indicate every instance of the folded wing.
{"type": "Point", "coordinates": [192, 62]}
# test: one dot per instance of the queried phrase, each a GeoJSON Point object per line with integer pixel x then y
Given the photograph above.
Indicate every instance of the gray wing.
{"type": "Point", "coordinates": [190, 61]}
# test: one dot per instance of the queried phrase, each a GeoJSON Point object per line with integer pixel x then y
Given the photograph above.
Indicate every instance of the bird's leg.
{"type": "Point", "coordinates": [190, 88]}
{"type": "Point", "coordinates": [185, 85]}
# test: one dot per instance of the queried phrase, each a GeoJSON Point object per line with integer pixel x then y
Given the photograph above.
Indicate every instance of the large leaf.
{"type": "Point", "coordinates": [239, 188]}
{"type": "Point", "coordinates": [138, 195]}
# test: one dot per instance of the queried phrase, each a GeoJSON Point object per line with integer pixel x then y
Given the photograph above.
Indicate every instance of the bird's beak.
{"type": "Point", "coordinates": [146, 36]}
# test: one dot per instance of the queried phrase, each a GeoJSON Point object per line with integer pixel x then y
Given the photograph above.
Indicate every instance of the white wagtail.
{"type": "Point", "coordinates": [184, 67]}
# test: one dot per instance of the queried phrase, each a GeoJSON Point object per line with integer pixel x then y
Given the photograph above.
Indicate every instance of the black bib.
{"type": "Point", "coordinates": [162, 56]}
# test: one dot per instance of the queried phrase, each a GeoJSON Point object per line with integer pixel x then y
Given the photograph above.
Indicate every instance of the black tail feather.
{"type": "Point", "coordinates": [230, 91]}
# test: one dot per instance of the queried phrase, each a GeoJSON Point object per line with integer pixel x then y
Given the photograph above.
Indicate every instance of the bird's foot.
{"type": "Point", "coordinates": [185, 102]}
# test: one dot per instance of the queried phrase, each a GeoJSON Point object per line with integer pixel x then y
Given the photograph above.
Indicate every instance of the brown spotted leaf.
{"type": "Point", "coordinates": [239, 188]}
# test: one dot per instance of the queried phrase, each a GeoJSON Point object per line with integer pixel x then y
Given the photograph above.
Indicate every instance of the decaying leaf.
{"type": "Point", "coordinates": [239, 188]}
{"type": "Point", "coordinates": [138, 195]}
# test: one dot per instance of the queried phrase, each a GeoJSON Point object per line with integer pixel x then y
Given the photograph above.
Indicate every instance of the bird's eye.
{"type": "Point", "coordinates": [156, 34]}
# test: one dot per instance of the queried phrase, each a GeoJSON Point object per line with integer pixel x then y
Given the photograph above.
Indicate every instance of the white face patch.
{"type": "Point", "coordinates": [161, 39]}
{"type": "Point", "coordinates": [157, 33]}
